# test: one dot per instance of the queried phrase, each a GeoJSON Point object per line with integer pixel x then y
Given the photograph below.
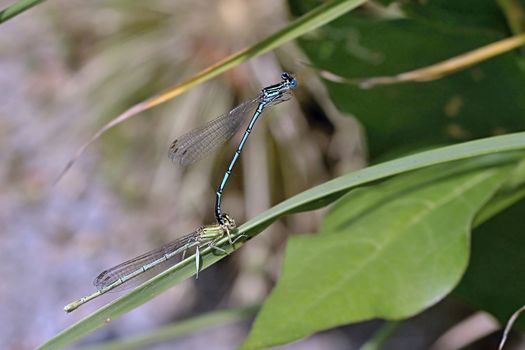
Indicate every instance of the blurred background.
{"type": "Point", "coordinates": [67, 68]}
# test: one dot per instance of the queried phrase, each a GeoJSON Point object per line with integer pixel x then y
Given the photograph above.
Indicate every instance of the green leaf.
{"type": "Point", "coordinates": [480, 101]}
{"type": "Point", "coordinates": [464, 14]}
{"type": "Point", "coordinates": [316, 197]}
{"type": "Point", "coordinates": [512, 191]}
{"type": "Point", "coordinates": [480, 14]}
{"type": "Point", "coordinates": [388, 251]}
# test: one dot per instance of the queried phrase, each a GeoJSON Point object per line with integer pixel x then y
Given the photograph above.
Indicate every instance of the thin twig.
{"type": "Point", "coordinates": [438, 70]}
{"type": "Point", "coordinates": [508, 327]}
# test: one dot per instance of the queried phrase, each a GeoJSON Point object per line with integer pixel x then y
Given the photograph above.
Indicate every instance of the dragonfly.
{"type": "Point", "coordinates": [123, 274]}
{"type": "Point", "coordinates": [196, 144]}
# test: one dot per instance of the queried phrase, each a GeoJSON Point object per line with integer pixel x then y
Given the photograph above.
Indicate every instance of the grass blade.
{"type": "Point", "coordinates": [17, 8]}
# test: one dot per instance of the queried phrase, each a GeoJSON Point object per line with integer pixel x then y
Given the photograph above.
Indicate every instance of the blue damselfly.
{"type": "Point", "coordinates": [198, 143]}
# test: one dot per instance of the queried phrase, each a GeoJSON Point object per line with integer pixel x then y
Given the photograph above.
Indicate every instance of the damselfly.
{"type": "Point", "coordinates": [197, 143]}
{"type": "Point", "coordinates": [123, 274]}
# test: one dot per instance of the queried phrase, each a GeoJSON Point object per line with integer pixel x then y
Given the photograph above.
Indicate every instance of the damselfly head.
{"type": "Point", "coordinates": [290, 78]}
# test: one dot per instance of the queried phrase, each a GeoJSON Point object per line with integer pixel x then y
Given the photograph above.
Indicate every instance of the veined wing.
{"type": "Point", "coordinates": [200, 142]}
{"type": "Point", "coordinates": [176, 247]}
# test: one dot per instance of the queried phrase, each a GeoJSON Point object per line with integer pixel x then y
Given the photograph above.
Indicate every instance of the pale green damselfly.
{"type": "Point", "coordinates": [122, 274]}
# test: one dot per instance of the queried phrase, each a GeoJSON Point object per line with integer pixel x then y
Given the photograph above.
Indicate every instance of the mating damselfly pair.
{"type": "Point", "coordinates": [186, 150]}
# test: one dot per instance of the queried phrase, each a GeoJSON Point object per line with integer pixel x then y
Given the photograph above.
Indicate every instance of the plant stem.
{"type": "Point", "coordinates": [381, 336]}
{"type": "Point", "coordinates": [515, 15]}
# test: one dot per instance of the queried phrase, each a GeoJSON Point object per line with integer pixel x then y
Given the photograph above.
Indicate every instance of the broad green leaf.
{"type": "Point", "coordinates": [493, 281]}
{"type": "Point", "coordinates": [480, 101]}
{"type": "Point", "coordinates": [316, 197]}
{"type": "Point", "coordinates": [386, 251]}
{"type": "Point", "coordinates": [474, 14]}
{"type": "Point", "coordinates": [480, 14]}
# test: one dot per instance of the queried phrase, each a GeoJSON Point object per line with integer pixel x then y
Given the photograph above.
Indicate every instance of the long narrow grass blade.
{"type": "Point", "coordinates": [308, 22]}
{"type": "Point", "coordinates": [17, 8]}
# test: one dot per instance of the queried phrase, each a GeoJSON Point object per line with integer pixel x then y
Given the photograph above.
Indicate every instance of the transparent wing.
{"type": "Point", "coordinates": [200, 142]}
{"type": "Point", "coordinates": [178, 246]}
{"type": "Point", "coordinates": [283, 97]}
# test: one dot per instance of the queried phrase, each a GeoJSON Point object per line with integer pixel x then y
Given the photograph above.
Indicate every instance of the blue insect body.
{"type": "Point", "coordinates": [195, 144]}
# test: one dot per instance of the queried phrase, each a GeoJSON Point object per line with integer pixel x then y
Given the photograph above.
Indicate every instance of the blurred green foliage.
{"type": "Point", "coordinates": [493, 279]}
{"type": "Point", "coordinates": [487, 99]}
{"type": "Point", "coordinates": [461, 15]}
